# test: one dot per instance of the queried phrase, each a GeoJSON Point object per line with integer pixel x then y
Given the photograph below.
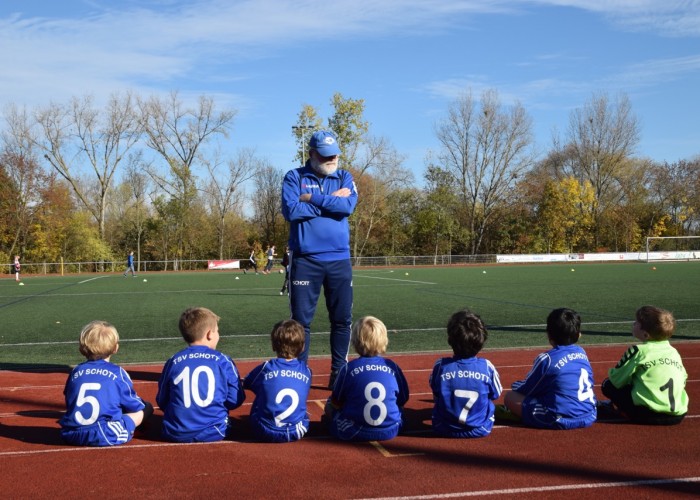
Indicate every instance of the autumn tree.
{"type": "Point", "coordinates": [379, 173]}
{"type": "Point", "coordinates": [79, 137]}
{"type": "Point", "coordinates": [485, 146]}
{"type": "Point", "coordinates": [675, 189]}
{"type": "Point", "coordinates": [224, 190]}
{"type": "Point", "coordinates": [437, 224]}
{"type": "Point", "coordinates": [22, 180]}
{"type": "Point", "coordinates": [602, 137]}
{"type": "Point", "coordinates": [177, 133]}
{"type": "Point", "coordinates": [564, 216]}
{"type": "Point", "coordinates": [349, 124]}
{"type": "Point", "coordinates": [131, 207]}
{"type": "Point", "coordinates": [267, 206]}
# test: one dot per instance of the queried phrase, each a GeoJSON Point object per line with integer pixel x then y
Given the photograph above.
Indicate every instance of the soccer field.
{"type": "Point", "coordinates": [41, 320]}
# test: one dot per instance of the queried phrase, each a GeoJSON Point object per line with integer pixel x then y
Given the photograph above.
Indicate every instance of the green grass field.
{"type": "Point", "coordinates": [42, 319]}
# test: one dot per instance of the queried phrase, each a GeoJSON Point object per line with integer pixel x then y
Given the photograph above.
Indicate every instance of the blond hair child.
{"type": "Point", "coordinates": [370, 391]}
{"type": "Point", "coordinates": [102, 408]}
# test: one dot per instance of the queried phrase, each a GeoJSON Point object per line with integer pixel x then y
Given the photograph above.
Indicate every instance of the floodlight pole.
{"type": "Point", "coordinates": [302, 129]}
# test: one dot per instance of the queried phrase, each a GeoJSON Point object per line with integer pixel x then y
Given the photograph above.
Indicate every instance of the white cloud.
{"type": "Point", "coordinates": [675, 18]}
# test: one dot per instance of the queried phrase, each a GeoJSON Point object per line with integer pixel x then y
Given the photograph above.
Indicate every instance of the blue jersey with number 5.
{"type": "Point", "coordinates": [98, 391]}
{"type": "Point", "coordinates": [197, 388]}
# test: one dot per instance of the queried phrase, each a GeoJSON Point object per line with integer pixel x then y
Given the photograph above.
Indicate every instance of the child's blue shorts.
{"type": "Point", "coordinates": [101, 433]}
{"type": "Point", "coordinates": [537, 415]}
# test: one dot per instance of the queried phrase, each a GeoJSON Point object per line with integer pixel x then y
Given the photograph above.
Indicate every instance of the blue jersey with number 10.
{"type": "Point", "coordinates": [197, 388]}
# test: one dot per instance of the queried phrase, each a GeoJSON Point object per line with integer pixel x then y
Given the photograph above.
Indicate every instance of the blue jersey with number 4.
{"type": "Point", "coordinates": [560, 386]}
{"type": "Point", "coordinates": [281, 388]}
{"type": "Point", "coordinates": [98, 393]}
{"type": "Point", "coordinates": [463, 390]}
{"type": "Point", "coordinates": [197, 388]}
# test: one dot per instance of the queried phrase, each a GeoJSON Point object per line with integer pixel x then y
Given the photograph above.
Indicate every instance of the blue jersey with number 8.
{"type": "Point", "coordinates": [369, 393]}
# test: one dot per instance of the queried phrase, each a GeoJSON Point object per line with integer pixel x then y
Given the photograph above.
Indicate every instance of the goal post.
{"type": "Point", "coordinates": [672, 248]}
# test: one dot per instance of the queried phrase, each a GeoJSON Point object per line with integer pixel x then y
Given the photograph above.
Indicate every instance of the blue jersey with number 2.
{"type": "Point", "coordinates": [281, 388]}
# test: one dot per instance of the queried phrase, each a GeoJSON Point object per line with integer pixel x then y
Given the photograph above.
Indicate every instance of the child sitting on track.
{"type": "Point", "coordinates": [648, 384]}
{"type": "Point", "coordinates": [281, 387]}
{"type": "Point", "coordinates": [199, 385]}
{"type": "Point", "coordinates": [558, 391]}
{"type": "Point", "coordinates": [464, 385]}
{"type": "Point", "coordinates": [102, 408]}
{"type": "Point", "coordinates": [370, 391]}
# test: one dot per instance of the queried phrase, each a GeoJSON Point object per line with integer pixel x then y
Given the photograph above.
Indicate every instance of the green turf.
{"type": "Point", "coordinates": [41, 320]}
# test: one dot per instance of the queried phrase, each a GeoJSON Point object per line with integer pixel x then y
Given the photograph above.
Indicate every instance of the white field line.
{"type": "Point", "coordinates": [537, 489]}
{"type": "Point", "coordinates": [404, 330]}
{"type": "Point", "coordinates": [92, 279]}
{"type": "Point", "coordinates": [402, 280]}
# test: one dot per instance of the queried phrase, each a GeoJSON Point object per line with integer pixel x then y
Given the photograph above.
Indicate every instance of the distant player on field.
{"type": "Point", "coordinates": [16, 267]}
{"type": "Point", "coordinates": [281, 386]}
{"type": "Point", "coordinates": [130, 265]}
{"type": "Point", "coordinates": [464, 385]}
{"type": "Point", "coordinates": [370, 392]}
{"type": "Point", "coordinates": [199, 385]}
{"type": "Point", "coordinates": [285, 264]}
{"type": "Point", "coordinates": [102, 408]}
{"type": "Point", "coordinates": [648, 384]}
{"type": "Point", "coordinates": [253, 261]}
{"type": "Point", "coordinates": [270, 254]}
{"type": "Point", "coordinates": [558, 391]}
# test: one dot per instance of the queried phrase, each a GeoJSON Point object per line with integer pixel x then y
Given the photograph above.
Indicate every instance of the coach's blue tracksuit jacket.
{"type": "Point", "coordinates": [320, 228]}
{"type": "Point", "coordinates": [319, 240]}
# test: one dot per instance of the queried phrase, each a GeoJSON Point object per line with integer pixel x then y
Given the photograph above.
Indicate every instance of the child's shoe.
{"type": "Point", "coordinates": [608, 412]}
{"type": "Point", "coordinates": [503, 414]}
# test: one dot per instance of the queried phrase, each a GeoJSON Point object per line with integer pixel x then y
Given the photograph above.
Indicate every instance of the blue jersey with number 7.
{"type": "Point", "coordinates": [463, 391]}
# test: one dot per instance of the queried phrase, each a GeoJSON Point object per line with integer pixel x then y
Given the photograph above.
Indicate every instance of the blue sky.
{"type": "Point", "coordinates": [408, 59]}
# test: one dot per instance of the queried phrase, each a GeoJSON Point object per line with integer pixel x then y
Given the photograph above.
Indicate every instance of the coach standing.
{"type": "Point", "coordinates": [317, 200]}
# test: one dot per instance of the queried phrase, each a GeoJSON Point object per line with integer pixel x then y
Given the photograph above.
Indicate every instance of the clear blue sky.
{"type": "Point", "coordinates": [408, 59]}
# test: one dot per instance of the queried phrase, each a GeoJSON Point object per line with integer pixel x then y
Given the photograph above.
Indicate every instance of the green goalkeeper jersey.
{"type": "Point", "coordinates": [656, 373]}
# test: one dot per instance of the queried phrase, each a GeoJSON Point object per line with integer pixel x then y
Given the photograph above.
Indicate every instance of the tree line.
{"type": "Point", "coordinates": [82, 182]}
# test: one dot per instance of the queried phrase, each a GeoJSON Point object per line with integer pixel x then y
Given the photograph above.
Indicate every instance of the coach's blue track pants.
{"type": "Point", "coordinates": [306, 278]}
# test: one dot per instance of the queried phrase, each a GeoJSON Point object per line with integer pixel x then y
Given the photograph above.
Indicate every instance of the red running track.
{"type": "Point", "coordinates": [610, 460]}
